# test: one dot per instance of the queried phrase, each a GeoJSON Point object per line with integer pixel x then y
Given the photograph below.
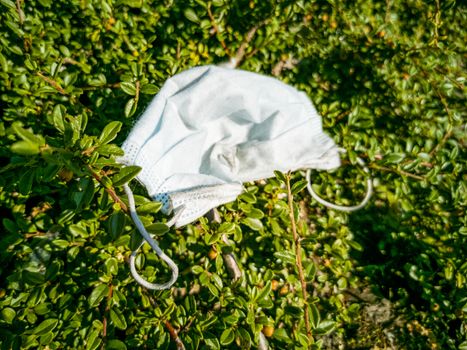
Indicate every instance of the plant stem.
{"type": "Point", "coordinates": [298, 257]}
{"type": "Point", "coordinates": [109, 190]}
{"type": "Point", "coordinates": [20, 12]}
{"type": "Point", "coordinates": [172, 331]}
{"type": "Point", "coordinates": [52, 82]}
{"type": "Point", "coordinates": [396, 171]}
{"type": "Point", "coordinates": [216, 30]}
{"type": "Point", "coordinates": [106, 312]}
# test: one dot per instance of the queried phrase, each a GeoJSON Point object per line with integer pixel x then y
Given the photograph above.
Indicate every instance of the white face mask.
{"type": "Point", "coordinates": [210, 129]}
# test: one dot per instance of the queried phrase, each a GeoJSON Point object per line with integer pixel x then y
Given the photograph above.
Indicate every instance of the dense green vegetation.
{"type": "Point", "coordinates": [388, 78]}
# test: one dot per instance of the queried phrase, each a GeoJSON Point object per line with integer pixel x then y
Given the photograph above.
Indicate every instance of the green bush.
{"type": "Point", "coordinates": [388, 79]}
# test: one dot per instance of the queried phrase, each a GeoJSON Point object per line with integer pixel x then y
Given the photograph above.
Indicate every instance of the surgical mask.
{"type": "Point", "coordinates": [209, 130]}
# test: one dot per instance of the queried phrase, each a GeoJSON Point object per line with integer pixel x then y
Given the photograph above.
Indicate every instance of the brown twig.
{"type": "Point", "coordinates": [240, 55]}
{"type": "Point", "coordinates": [109, 190]}
{"type": "Point", "coordinates": [436, 22]}
{"type": "Point", "coordinates": [172, 331]}
{"type": "Point", "coordinates": [107, 86]}
{"type": "Point", "coordinates": [106, 311]}
{"type": "Point", "coordinates": [448, 133]}
{"type": "Point", "coordinates": [20, 12]}
{"type": "Point", "coordinates": [216, 30]}
{"type": "Point", "coordinates": [298, 257]}
{"type": "Point", "coordinates": [396, 171]}
{"type": "Point", "coordinates": [69, 60]}
{"type": "Point", "coordinates": [34, 234]}
{"type": "Point", "coordinates": [174, 335]}
{"type": "Point", "coordinates": [137, 85]}
{"type": "Point", "coordinates": [52, 82]}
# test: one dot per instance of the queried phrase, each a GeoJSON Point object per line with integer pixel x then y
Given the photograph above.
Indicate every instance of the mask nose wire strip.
{"type": "Point", "coordinates": [369, 192]}
{"type": "Point", "coordinates": [153, 244]}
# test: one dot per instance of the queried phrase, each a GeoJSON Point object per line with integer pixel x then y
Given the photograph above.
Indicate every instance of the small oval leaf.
{"type": "Point", "coordinates": [110, 132]}
{"type": "Point", "coordinates": [98, 294]}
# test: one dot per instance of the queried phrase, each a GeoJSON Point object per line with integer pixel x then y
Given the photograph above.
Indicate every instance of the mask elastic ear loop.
{"type": "Point", "coordinates": [369, 191]}
{"type": "Point", "coordinates": [153, 244]}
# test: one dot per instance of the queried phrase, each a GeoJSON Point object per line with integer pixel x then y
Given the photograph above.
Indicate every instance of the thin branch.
{"type": "Point", "coordinates": [216, 30]}
{"type": "Point", "coordinates": [35, 234]}
{"type": "Point", "coordinates": [69, 60]}
{"type": "Point", "coordinates": [106, 311]}
{"type": "Point", "coordinates": [436, 23]}
{"type": "Point", "coordinates": [20, 12]}
{"type": "Point", "coordinates": [448, 133]}
{"type": "Point", "coordinates": [240, 55]}
{"type": "Point", "coordinates": [396, 171]}
{"type": "Point", "coordinates": [108, 86]}
{"type": "Point", "coordinates": [174, 335]}
{"type": "Point", "coordinates": [109, 190]}
{"type": "Point", "coordinates": [52, 82]}
{"type": "Point", "coordinates": [172, 331]}
{"type": "Point", "coordinates": [298, 257]}
{"type": "Point", "coordinates": [137, 85]}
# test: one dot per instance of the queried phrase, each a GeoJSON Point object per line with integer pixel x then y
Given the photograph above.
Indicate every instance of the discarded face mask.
{"type": "Point", "coordinates": [210, 129]}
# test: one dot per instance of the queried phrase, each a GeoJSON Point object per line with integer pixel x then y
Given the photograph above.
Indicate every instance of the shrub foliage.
{"type": "Point", "coordinates": [388, 79]}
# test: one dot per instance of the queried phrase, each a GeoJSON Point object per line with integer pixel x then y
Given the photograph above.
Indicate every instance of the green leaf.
{"type": "Point", "coordinates": [158, 228]}
{"type": "Point", "coordinates": [191, 15]}
{"type": "Point", "coordinates": [84, 194]}
{"type": "Point", "coordinates": [280, 176]}
{"type": "Point", "coordinates": [116, 224]}
{"type": "Point", "coordinates": [117, 318]}
{"type": "Point", "coordinates": [149, 89]}
{"type": "Point", "coordinates": [58, 115]}
{"type": "Point", "coordinates": [394, 158]}
{"type": "Point", "coordinates": [128, 88]}
{"type": "Point", "coordinates": [8, 3]}
{"type": "Point", "coordinates": [281, 334]}
{"type": "Point", "coordinates": [110, 132]}
{"type": "Point", "coordinates": [298, 186]}
{"type": "Point", "coordinates": [111, 265]}
{"type": "Point", "coordinates": [8, 315]}
{"type": "Point", "coordinates": [130, 107]}
{"type": "Point", "coordinates": [45, 326]}
{"type": "Point", "coordinates": [325, 327]}
{"type": "Point", "coordinates": [355, 245]}
{"type": "Point", "coordinates": [78, 231]}
{"type": "Point", "coordinates": [32, 277]}
{"type": "Point", "coordinates": [125, 175]}
{"type": "Point", "coordinates": [93, 341]}
{"type": "Point", "coordinates": [115, 344]}
{"type": "Point", "coordinates": [286, 256]}
{"type": "Point", "coordinates": [264, 293]}
{"type": "Point", "coordinates": [42, 309]}
{"type": "Point", "coordinates": [110, 150]}
{"type": "Point", "coordinates": [254, 224]}
{"type": "Point", "coordinates": [25, 181]}
{"type": "Point", "coordinates": [227, 336]}
{"type": "Point", "coordinates": [149, 208]}
{"type": "Point", "coordinates": [97, 294]}
{"type": "Point", "coordinates": [25, 148]}
{"type": "Point", "coordinates": [197, 269]}
{"type": "Point", "coordinates": [26, 135]}
{"type": "Point", "coordinates": [248, 197]}
{"type": "Point", "coordinates": [135, 240]}
{"type": "Point", "coordinates": [314, 315]}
